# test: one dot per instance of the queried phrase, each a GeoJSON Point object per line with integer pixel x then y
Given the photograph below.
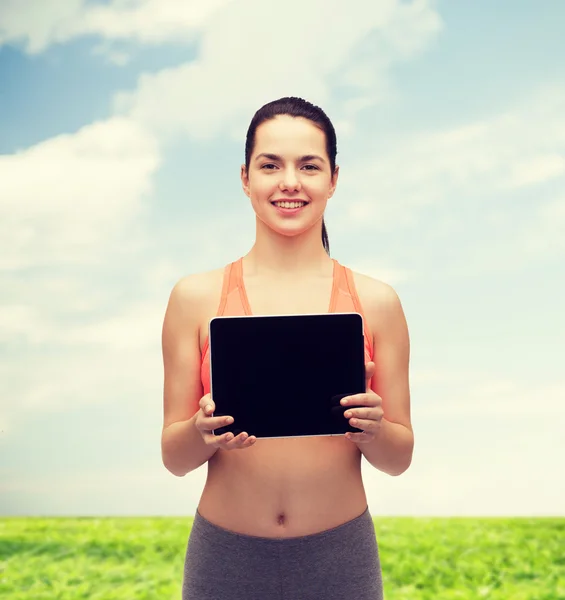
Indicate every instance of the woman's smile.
{"type": "Point", "coordinates": [289, 207]}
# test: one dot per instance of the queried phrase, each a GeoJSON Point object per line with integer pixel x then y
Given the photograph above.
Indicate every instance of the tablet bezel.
{"type": "Point", "coordinates": [346, 426]}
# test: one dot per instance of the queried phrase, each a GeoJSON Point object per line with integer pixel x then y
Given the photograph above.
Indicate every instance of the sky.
{"type": "Point", "coordinates": [122, 128]}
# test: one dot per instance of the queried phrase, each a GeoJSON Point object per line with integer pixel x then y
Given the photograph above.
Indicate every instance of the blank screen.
{"type": "Point", "coordinates": [284, 376]}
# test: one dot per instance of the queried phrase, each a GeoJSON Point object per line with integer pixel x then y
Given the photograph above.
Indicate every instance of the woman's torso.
{"type": "Point", "coordinates": [282, 487]}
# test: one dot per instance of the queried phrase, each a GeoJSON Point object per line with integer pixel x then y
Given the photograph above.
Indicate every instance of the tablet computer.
{"type": "Point", "coordinates": [284, 375]}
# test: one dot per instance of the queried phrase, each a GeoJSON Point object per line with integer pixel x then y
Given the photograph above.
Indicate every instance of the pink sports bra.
{"type": "Point", "coordinates": [234, 302]}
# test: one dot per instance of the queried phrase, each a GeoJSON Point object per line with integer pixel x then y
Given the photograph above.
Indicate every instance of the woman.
{"type": "Point", "coordinates": [285, 518]}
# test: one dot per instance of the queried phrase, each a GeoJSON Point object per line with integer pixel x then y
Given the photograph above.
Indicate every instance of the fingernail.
{"type": "Point", "coordinates": [347, 415]}
{"type": "Point", "coordinates": [344, 401]}
{"type": "Point", "coordinates": [208, 407]}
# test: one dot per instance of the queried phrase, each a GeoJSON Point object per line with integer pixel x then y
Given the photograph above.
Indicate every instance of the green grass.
{"type": "Point", "coordinates": [142, 558]}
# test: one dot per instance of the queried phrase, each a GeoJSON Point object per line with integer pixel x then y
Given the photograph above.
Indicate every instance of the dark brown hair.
{"type": "Point", "coordinates": [295, 107]}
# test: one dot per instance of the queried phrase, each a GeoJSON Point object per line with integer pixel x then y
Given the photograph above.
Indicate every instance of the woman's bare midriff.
{"type": "Point", "coordinates": [282, 487]}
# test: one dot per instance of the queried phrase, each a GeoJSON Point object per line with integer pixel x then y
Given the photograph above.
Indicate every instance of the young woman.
{"type": "Point", "coordinates": [285, 518]}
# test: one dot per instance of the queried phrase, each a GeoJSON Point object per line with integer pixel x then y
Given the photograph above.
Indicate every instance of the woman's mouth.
{"type": "Point", "coordinates": [289, 207]}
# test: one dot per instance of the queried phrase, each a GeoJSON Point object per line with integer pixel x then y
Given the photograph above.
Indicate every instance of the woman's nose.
{"type": "Point", "coordinates": [289, 180]}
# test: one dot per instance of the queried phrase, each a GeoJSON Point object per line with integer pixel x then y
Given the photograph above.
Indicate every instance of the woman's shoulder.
{"type": "Point", "coordinates": [376, 295]}
{"type": "Point", "coordinates": [371, 286]}
{"type": "Point", "coordinates": [196, 289]}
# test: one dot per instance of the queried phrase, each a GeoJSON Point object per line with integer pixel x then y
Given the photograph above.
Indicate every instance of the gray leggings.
{"type": "Point", "coordinates": [342, 562]}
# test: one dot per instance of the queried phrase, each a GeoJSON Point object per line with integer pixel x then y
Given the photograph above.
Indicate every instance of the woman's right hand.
{"type": "Point", "coordinates": [206, 424]}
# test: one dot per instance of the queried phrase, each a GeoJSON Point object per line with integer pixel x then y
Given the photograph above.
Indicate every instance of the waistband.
{"type": "Point", "coordinates": [355, 527]}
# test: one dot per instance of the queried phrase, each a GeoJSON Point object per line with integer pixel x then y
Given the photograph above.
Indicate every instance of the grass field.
{"type": "Point", "coordinates": [142, 558]}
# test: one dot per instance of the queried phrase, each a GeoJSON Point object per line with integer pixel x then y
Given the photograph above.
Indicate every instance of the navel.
{"type": "Point", "coordinates": [281, 519]}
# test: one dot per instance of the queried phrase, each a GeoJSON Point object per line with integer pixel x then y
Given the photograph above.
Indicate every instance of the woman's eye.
{"type": "Point", "coordinates": [271, 166]}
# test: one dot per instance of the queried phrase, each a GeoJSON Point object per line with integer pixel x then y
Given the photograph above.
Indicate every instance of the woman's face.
{"type": "Point", "coordinates": [289, 163]}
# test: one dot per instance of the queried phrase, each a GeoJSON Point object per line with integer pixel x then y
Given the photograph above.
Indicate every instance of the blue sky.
{"type": "Point", "coordinates": [121, 136]}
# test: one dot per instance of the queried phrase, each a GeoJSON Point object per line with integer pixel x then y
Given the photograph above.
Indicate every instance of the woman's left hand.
{"type": "Point", "coordinates": [367, 418]}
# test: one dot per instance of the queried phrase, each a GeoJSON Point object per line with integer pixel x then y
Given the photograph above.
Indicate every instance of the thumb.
{"type": "Point", "coordinates": [208, 404]}
{"type": "Point", "coordinates": [369, 371]}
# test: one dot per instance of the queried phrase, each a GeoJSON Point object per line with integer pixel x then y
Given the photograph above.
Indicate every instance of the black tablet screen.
{"type": "Point", "coordinates": [283, 376]}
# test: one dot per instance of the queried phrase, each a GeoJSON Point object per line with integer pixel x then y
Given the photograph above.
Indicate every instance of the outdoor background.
{"type": "Point", "coordinates": [122, 127]}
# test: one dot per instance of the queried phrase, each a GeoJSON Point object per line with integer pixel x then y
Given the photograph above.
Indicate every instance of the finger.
{"type": "Point", "coordinates": [361, 400]}
{"type": "Point", "coordinates": [212, 423]}
{"type": "Point", "coordinates": [211, 439]}
{"type": "Point", "coordinates": [359, 438]}
{"type": "Point", "coordinates": [364, 424]}
{"type": "Point", "coordinates": [359, 413]}
{"type": "Point", "coordinates": [207, 405]}
{"type": "Point", "coordinates": [243, 440]}
{"type": "Point", "coordinates": [219, 440]}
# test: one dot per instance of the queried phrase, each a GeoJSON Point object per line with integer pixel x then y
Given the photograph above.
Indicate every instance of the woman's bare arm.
{"type": "Point", "coordinates": [182, 446]}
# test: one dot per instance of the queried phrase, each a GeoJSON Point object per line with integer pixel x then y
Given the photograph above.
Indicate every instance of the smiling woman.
{"type": "Point", "coordinates": [288, 115]}
{"type": "Point", "coordinates": [285, 518]}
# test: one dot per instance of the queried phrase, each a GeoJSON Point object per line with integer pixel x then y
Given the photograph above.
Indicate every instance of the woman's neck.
{"type": "Point", "coordinates": [273, 254]}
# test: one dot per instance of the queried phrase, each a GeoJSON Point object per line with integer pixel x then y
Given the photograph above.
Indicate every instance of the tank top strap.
{"type": "Point", "coordinates": [342, 294]}
{"type": "Point", "coordinates": [350, 282]}
{"type": "Point", "coordinates": [227, 287]}
{"type": "Point", "coordinates": [233, 300]}
{"type": "Point", "coordinates": [231, 303]}
{"type": "Point", "coordinates": [345, 298]}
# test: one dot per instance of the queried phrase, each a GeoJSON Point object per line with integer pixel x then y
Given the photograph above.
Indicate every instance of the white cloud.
{"type": "Point", "coordinates": [430, 376]}
{"type": "Point", "coordinates": [536, 169]}
{"type": "Point", "coordinates": [512, 239]}
{"type": "Point", "coordinates": [115, 57]}
{"type": "Point", "coordinates": [4, 425]}
{"type": "Point", "coordinates": [90, 341]}
{"type": "Point", "coordinates": [70, 378]}
{"type": "Point", "coordinates": [72, 361]}
{"type": "Point", "coordinates": [389, 275]}
{"type": "Point", "coordinates": [40, 23]}
{"type": "Point", "coordinates": [37, 23]}
{"type": "Point", "coordinates": [109, 491]}
{"type": "Point", "coordinates": [509, 398]}
{"type": "Point", "coordinates": [499, 483]}
{"type": "Point", "coordinates": [470, 163]}
{"type": "Point", "coordinates": [245, 61]}
{"type": "Point", "coordinates": [137, 328]}
{"type": "Point", "coordinates": [66, 205]}
{"type": "Point", "coordinates": [472, 394]}
{"type": "Point", "coordinates": [493, 485]}
{"type": "Point", "coordinates": [65, 199]}
{"type": "Point", "coordinates": [545, 235]}
{"type": "Point", "coordinates": [21, 322]}
{"type": "Point", "coordinates": [148, 21]}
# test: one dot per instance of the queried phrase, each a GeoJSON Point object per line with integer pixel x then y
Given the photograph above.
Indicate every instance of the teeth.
{"type": "Point", "coordinates": [290, 204]}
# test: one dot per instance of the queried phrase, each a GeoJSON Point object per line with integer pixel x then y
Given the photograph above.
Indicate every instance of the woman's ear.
{"type": "Point", "coordinates": [245, 181]}
{"type": "Point", "coordinates": [334, 181]}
